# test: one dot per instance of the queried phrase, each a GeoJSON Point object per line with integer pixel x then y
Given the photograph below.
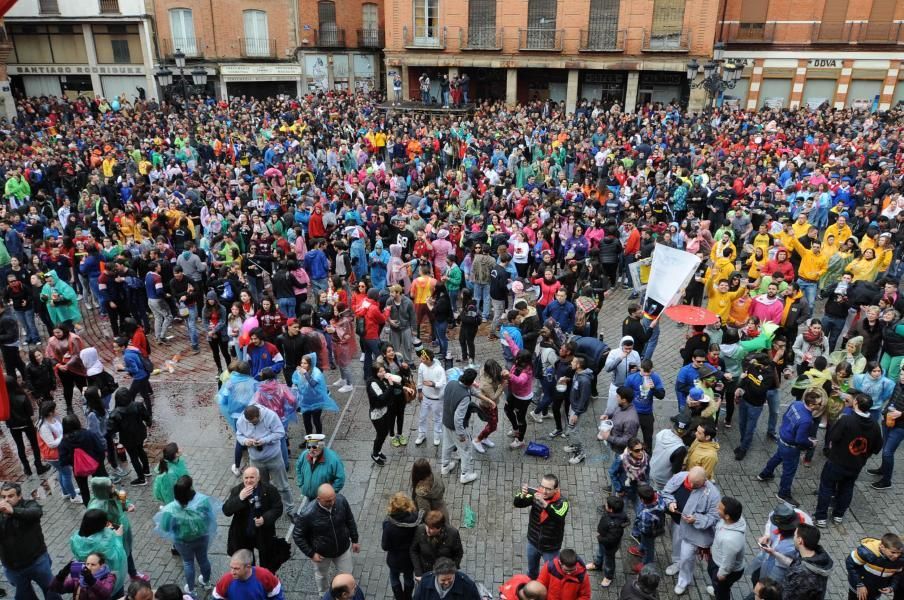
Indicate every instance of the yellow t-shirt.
{"type": "Point", "coordinates": [422, 288]}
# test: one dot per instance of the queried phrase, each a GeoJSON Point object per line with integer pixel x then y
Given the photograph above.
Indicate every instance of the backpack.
{"type": "Point", "coordinates": [83, 464]}
{"type": "Point", "coordinates": [146, 363]}
{"type": "Point", "coordinates": [470, 315]}
{"type": "Point", "coordinates": [656, 526]}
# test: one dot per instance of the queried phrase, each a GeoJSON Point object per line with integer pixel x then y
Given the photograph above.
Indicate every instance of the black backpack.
{"type": "Point", "coordinates": [470, 315]}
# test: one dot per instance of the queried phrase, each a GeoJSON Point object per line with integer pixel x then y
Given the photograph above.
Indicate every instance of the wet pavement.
{"type": "Point", "coordinates": [185, 412]}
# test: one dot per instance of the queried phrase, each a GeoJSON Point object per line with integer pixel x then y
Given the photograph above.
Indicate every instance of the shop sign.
{"type": "Point", "coordinates": [72, 70]}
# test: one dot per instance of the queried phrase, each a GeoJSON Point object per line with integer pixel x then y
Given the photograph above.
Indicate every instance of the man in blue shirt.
{"type": "Point", "coordinates": [562, 311]}
{"type": "Point", "coordinates": [163, 317]}
{"type": "Point", "coordinates": [318, 267]}
{"type": "Point", "coordinates": [794, 437]}
{"type": "Point", "coordinates": [136, 366]}
{"type": "Point", "coordinates": [687, 375]}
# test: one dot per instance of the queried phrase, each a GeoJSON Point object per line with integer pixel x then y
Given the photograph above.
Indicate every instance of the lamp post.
{"type": "Point", "coordinates": [718, 74]}
{"type": "Point", "coordinates": [199, 78]}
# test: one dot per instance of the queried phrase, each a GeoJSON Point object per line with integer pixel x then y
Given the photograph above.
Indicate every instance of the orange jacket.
{"type": "Point", "coordinates": [565, 586]}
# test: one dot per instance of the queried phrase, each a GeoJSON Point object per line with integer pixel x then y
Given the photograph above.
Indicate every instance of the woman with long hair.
{"type": "Point", "coordinates": [64, 347]}
{"type": "Point", "coordinates": [520, 381]}
{"type": "Point", "coordinates": [490, 389]}
{"type": "Point", "coordinates": [399, 527]}
{"type": "Point", "coordinates": [400, 385]}
{"type": "Point", "coordinates": [379, 397]}
{"type": "Point", "coordinates": [21, 426]}
{"type": "Point", "coordinates": [426, 488]}
{"type": "Point", "coordinates": [94, 535]}
{"type": "Point", "coordinates": [170, 468]}
{"type": "Point", "coordinates": [50, 432]}
{"type": "Point", "coordinates": [96, 416]}
{"type": "Point", "coordinates": [470, 318]}
{"type": "Point", "coordinates": [442, 314]}
{"type": "Point", "coordinates": [342, 329]}
{"type": "Point", "coordinates": [39, 375]}
{"type": "Point", "coordinates": [313, 394]}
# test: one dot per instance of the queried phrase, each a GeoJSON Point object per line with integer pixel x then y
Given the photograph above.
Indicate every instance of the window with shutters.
{"type": "Point", "coordinates": [753, 20]}
{"type": "Point", "coordinates": [832, 28]}
{"type": "Point", "coordinates": [541, 24]}
{"type": "Point", "coordinates": [603, 25]}
{"type": "Point", "coordinates": [182, 27]}
{"type": "Point", "coordinates": [370, 25]}
{"type": "Point", "coordinates": [668, 24]}
{"type": "Point", "coordinates": [257, 34]}
{"type": "Point", "coordinates": [482, 24]}
{"type": "Point", "coordinates": [426, 21]}
{"type": "Point", "coordinates": [326, 17]}
{"type": "Point", "coordinates": [881, 22]}
{"type": "Point", "coordinates": [121, 53]}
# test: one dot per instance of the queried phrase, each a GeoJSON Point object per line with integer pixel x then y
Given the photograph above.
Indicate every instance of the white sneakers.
{"type": "Point", "coordinates": [235, 470]}
{"type": "Point", "coordinates": [346, 388]}
{"type": "Point", "coordinates": [672, 569]}
{"type": "Point", "coordinates": [478, 446]}
{"type": "Point", "coordinates": [710, 590]}
{"type": "Point", "coordinates": [362, 358]}
{"type": "Point", "coordinates": [339, 381]}
{"type": "Point", "coordinates": [537, 418]}
{"type": "Point", "coordinates": [446, 469]}
{"type": "Point", "coordinates": [489, 443]}
{"type": "Point", "coordinates": [420, 438]}
{"type": "Point", "coordinates": [204, 584]}
{"type": "Point", "coordinates": [679, 590]}
{"type": "Point", "coordinates": [436, 440]}
{"type": "Point", "coordinates": [467, 478]}
{"type": "Point", "coordinates": [516, 444]}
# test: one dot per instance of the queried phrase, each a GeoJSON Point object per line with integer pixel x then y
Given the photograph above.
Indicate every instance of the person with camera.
{"type": "Point", "coordinates": [546, 523]}
{"type": "Point", "coordinates": [254, 506]}
{"type": "Point", "coordinates": [89, 580]}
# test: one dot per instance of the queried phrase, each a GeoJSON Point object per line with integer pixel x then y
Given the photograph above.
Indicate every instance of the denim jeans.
{"type": "Point", "coordinates": [163, 318]}
{"type": "Point", "coordinates": [482, 298]}
{"type": "Point", "coordinates": [789, 458]}
{"type": "Point", "coordinates": [809, 290]}
{"type": "Point", "coordinates": [748, 416]}
{"type": "Point", "coordinates": [498, 312]}
{"type": "Point", "coordinates": [371, 352]}
{"type": "Point", "coordinates": [191, 321]}
{"type": "Point", "coordinates": [616, 473]}
{"type": "Point", "coordinates": [95, 291]}
{"type": "Point", "coordinates": [26, 319]}
{"type": "Point", "coordinates": [195, 550]}
{"type": "Point", "coordinates": [402, 580]}
{"type": "Point", "coordinates": [650, 348]}
{"type": "Point", "coordinates": [64, 477]}
{"type": "Point", "coordinates": [440, 328]}
{"type": "Point", "coordinates": [453, 299]}
{"type": "Point", "coordinates": [533, 559]}
{"type": "Point", "coordinates": [773, 401]}
{"type": "Point", "coordinates": [893, 438]}
{"type": "Point", "coordinates": [832, 327]}
{"type": "Point", "coordinates": [287, 306]}
{"type": "Point", "coordinates": [605, 560]}
{"type": "Point", "coordinates": [38, 572]}
{"type": "Point", "coordinates": [838, 482]}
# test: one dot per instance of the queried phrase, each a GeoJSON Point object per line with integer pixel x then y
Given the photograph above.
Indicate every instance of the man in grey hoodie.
{"type": "Point", "coordinates": [692, 501]}
{"type": "Point", "coordinates": [456, 399]}
{"type": "Point", "coordinates": [726, 563]}
{"type": "Point", "coordinates": [579, 403]}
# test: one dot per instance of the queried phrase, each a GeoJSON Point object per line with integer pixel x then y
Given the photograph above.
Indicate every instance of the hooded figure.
{"type": "Point", "coordinates": [61, 300]}
{"type": "Point", "coordinates": [311, 389]}
{"type": "Point", "coordinates": [105, 498]}
{"type": "Point", "coordinates": [379, 260]}
{"type": "Point", "coordinates": [397, 270]}
{"type": "Point", "coordinates": [194, 520]}
{"type": "Point", "coordinates": [235, 394]}
{"type": "Point", "coordinates": [852, 354]}
{"type": "Point", "coordinates": [94, 536]}
{"type": "Point", "coordinates": [358, 254]}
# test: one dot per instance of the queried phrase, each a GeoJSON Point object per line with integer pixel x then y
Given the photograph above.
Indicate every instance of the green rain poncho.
{"type": "Point", "coordinates": [103, 497]}
{"type": "Point", "coordinates": [196, 519]}
{"type": "Point", "coordinates": [108, 542]}
{"type": "Point", "coordinates": [164, 482]}
{"type": "Point", "coordinates": [65, 307]}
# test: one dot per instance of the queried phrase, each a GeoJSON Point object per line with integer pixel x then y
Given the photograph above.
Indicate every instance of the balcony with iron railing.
{"type": "Point", "coordinates": [6, 44]}
{"type": "Point", "coordinates": [109, 7]}
{"type": "Point", "coordinates": [603, 40]}
{"type": "Point", "coordinates": [676, 41]}
{"type": "Point", "coordinates": [541, 39]}
{"type": "Point", "coordinates": [48, 7]}
{"type": "Point", "coordinates": [329, 37]}
{"type": "Point", "coordinates": [370, 38]}
{"type": "Point", "coordinates": [191, 47]}
{"type": "Point", "coordinates": [431, 39]}
{"type": "Point", "coordinates": [480, 38]}
{"type": "Point", "coordinates": [258, 47]}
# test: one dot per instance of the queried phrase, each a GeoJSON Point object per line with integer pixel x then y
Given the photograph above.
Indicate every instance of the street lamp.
{"type": "Point", "coordinates": [718, 75]}
{"type": "Point", "coordinates": [198, 76]}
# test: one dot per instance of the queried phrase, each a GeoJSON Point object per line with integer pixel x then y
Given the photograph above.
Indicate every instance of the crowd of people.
{"type": "Point", "coordinates": [295, 236]}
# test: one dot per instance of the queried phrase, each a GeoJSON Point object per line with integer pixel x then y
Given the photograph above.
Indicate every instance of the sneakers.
{"type": "Point", "coordinates": [340, 382]}
{"type": "Point", "coordinates": [478, 446]}
{"type": "Point", "coordinates": [346, 389]}
{"type": "Point", "coordinates": [235, 470]}
{"type": "Point", "coordinates": [536, 418]}
{"type": "Point", "coordinates": [403, 440]}
{"type": "Point", "coordinates": [807, 462]}
{"type": "Point", "coordinates": [362, 358]}
{"type": "Point", "coordinates": [510, 433]}
{"type": "Point", "coordinates": [467, 478]}
{"type": "Point", "coordinates": [820, 523]}
{"type": "Point", "coordinates": [139, 481]}
{"type": "Point", "coordinates": [838, 520]}
{"type": "Point", "coordinates": [672, 569]}
{"type": "Point", "coordinates": [739, 453]}
{"type": "Point", "coordinates": [42, 469]}
{"type": "Point", "coordinates": [880, 485]}
{"type": "Point", "coordinates": [421, 437]}
{"type": "Point", "coordinates": [516, 444]}
{"type": "Point", "coordinates": [572, 448]}
{"type": "Point", "coordinates": [446, 469]}
{"type": "Point", "coordinates": [577, 458]}
{"type": "Point", "coordinates": [788, 499]}
{"type": "Point", "coordinates": [710, 590]}
{"type": "Point", "coordinates": [764, 478]}
{"type": "Point", "coordinates": [395, 443]}
{"type": "Point", "coordinates": [876, 471]}
{"type": "Point", "coordinates": [378, 459]}
{"type": "Point", "coordinates": [436, 440]}
{"type": "Point", "coordinates": [489, 443]}
{"type": "Point", "coordinates": [555, 433]}
{"type": "Point", "coordinates": [76, 499]}
{"type": "Point", "coordinates": [679, 590]}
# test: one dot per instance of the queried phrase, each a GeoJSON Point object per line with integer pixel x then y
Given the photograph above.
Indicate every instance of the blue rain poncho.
{"type": "Point", "coordinates": [234, 395]}
{"type": "Point", "coordinates": [311, 389]}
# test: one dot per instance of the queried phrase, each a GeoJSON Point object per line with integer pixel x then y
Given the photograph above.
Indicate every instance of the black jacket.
{"type": "Point", "coordinates": [610, 529]}
{"type": "Point", "coordinates": [242, 532]}
{"type": "Point", "coordinates": [9, 329]}
{"type": "Point", "coordinates": [21, 538]}
{"type": "Point", "coordinates": [545, 533]}
{"type": "Point", "coordinates": [130, 421]}
{"type": "Point", "coordinates": [530, 331]}
{"type": "Point", "coordinates": [632, 592]}
{"type": "Point", "coordinates": [425, 549]}
{"type": "Point", "coordinates": [21, 412]}
{"type": "Point", "coordinates": [325, 532]}
{"type": "Point", "coordinates": [40, 378]}
{"type": "Point", "coordinates": [398, 535]}
{"type": "Point", "coordinates": [463, 588]}
{"type": "Point", "coordinates": [640, 334]}
{"type": "Point", "coordinates": [806, 578]}
{"type": "Point", "coordinates": [92, 443]}
{"type": "Point", "coordinates": [292, 348]}
{"type": "Point", "coordinates": [852, 440]}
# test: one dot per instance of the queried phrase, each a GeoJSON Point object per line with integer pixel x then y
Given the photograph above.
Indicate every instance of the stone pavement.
{"type": "Point", "coordinates": [494, 549]}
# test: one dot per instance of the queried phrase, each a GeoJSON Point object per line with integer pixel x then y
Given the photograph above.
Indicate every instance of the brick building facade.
{"type": "Point", "coordinates": [810, 52]}
{"type": "Point", "coordinates": [608, 50]}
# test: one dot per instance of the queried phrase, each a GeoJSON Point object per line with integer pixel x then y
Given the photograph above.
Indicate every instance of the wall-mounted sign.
{"type": "Point", "coordinates": [72, 70]}
{"type": "Point", "coordinates": [823, 63]}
